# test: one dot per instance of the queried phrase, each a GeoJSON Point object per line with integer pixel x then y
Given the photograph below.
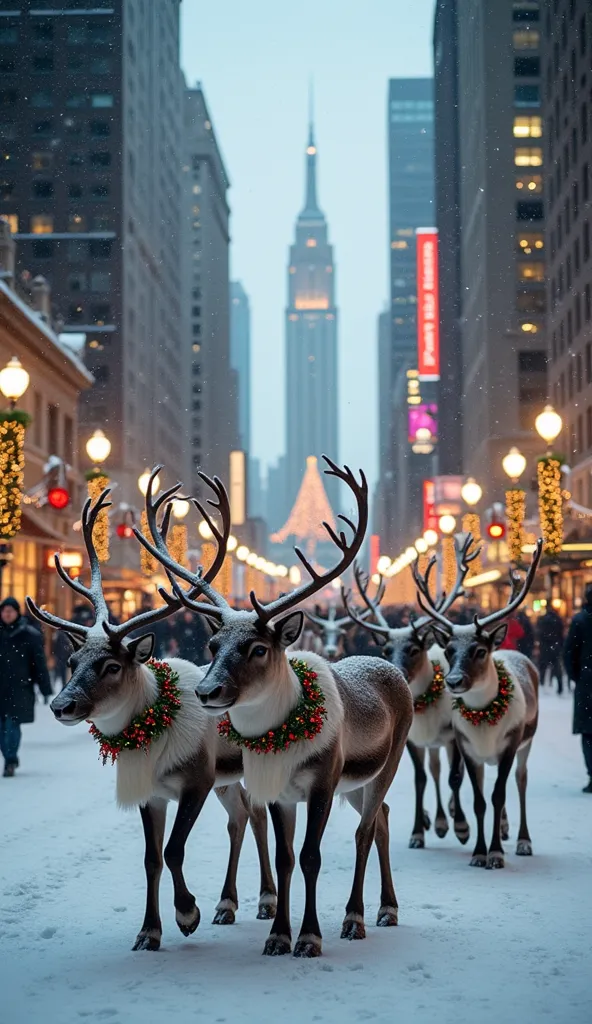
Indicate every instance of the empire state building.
{"type": "Point", "coordinates": [311, 340]}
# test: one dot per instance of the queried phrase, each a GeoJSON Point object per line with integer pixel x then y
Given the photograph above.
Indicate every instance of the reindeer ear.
{"type": "Point", "coordinates": [76, 641]}
{"type": "Point", "coordinates": [498, 635]}
{"type": "Point", "coordinates": [288, 629]}
{"type": "Point", "coordinates": [141, 648]}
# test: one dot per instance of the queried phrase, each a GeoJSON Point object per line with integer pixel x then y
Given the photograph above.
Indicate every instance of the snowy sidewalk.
{"type": "Point", "coordinates": [473, 947]}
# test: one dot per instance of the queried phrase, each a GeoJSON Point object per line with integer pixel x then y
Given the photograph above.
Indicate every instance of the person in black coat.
{"type": "Point", "coordinates": [190, 637]}
{"type": "Point", "coordinates": [577, 655]}
{"type": "Point", "coordinates": [526, 642]}
{"type": "Point", "coordinates": [550, 637]}
{"type": "Point", "coordinates": [22, 667]}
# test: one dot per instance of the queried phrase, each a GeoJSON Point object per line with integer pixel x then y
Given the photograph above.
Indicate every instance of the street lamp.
{"type": "Point", "coordinates": [471, 492]}
{"type": "Point", "coordinates": [180, 508]}
{"type": "Point", "coordinates": [421, 545]}
{"type": "Point", "coordinates": [430, 537]}
{"type": "Point", "coordinates": [548, 424]}
{"type": "Point", "coordinates": [98, 448]}
{"type": "Point", "coordinates": [144, 480]}
{"type": "Point", "coordinates": [514, 464]}
{"type": "Point", "coordinates": [447, 524]}
{"type": "Point", "coordinates": [14, 381]}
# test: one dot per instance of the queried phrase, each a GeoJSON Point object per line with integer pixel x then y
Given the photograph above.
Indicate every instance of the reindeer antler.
{"type": "Point", "coordinates": [518, 592]}
{"type": "Point", "coordinates": [437, 609]}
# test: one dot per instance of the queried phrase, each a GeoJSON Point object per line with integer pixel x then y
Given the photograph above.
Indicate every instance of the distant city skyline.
{"type": "Point", "coordinates": [255, 63]}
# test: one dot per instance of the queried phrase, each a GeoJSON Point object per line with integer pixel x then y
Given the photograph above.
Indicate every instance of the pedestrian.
{"type": "Point", "coordinates": [61, 650]}
{"type": "Point", "coordinates": [22, 667]}
{"type": "Point", "coordinates": [514, 635]}
{"type": "Point", "coordinates": [190, 637]}
{"type": "Point", "coordinates": [577, 657]}
{"type": "Point", "coordinates": [550, 637]}
{"type": "Point", "coordinates": [526, 644]}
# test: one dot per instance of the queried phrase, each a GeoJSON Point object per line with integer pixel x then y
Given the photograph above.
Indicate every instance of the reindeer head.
{"type": "Point", "coordinates": [331, 629]}
{"type": "Point", "coordinates": [469, 648]}
{"type": "Point", "coordinates": [248, 646]}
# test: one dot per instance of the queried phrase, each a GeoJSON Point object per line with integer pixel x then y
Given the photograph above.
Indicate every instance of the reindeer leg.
{"type": "Point", "coordinates": [505, 825]}
{"type": "Point", "coordinates": [441, 822]}
{"type": "Point", "coordinates": [524, 844]}
{"type": "Point", "coordinates": [495, 858]}
{"type": "Point", "coordinates": [476, 775]}
{"type": "Point", "coordinates": [191, 802]}
{"type": "Point", "coordinates": [230, 798]}
{"type": "Point", "coordinates": [422, 821]}
{"type": "Point", "coordinates": [461, 825]}
{"type": "Point", "coordinates": [283, 818]}
{"type": "Point", "coordinates": [389, 907]}
{"type": "Point", "coordinates": [153, 820]}
{"type": "Point", "coordinates": [267, 891]}
{"type": "Point", "coordinates": [319, 804]}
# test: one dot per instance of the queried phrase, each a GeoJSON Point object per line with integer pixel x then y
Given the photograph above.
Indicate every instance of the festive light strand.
{"type": "Point", "coordinates": [12, 464]}
{"type": "Point", "coordinates": [178, 544]}
{"type": "Point", "coordinates": [148, 563]}
{"type": "Point", "coordinates": [515, 515]}
{"type": "Point", "coordinates": [550, 503]}
{"type": "Point", "coordinates": [471, 523]}
{"type": "Point", "coordinates": [97, 482]}
{"type": "Point", "coordinates": [448, 564]}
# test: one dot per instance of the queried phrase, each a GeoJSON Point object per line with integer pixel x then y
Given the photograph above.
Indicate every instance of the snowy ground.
{"type": "Point", "coordinates": [472, 946]}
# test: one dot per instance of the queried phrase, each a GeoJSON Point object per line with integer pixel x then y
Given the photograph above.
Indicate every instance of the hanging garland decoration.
{"type": "Point", "coordinates": [178, 544]}
{"type": "Point", "coordinates": [12, 464]}
{"type": "Point", "coordinates": [303, 723]}
{"type": "Point", "coordinates": [515, 515]}
{"type": "Point", "coordinates": [433, 692]}
{"type": "Point", "coordinates": [495, 711]}
{"type": "Point", "coordinates": [148, 563]}
{"type": "Point", "coordinates": [448, 564]}
{"type": "Point", "coordinates": [97, 481]}
{"type": "Point", "coordinates": [550, 503]}
{"type": "Point", "coordinates": [471, 523]}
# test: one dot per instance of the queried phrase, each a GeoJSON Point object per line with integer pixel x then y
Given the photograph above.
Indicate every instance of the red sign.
{"type": "Point", "coordinates": [430, 519]}
{"type": "Point", "coordinates": [428, 314]}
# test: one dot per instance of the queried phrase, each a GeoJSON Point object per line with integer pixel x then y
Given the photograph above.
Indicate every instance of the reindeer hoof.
{"type": "Point", "coordinates": [505, 833]}
{"type": "Point", "coordinates": [387, 917]}
{"type": "Point", "coordinates": [277, 945]}
{"type": "Point", "coordinates": [478, 860]}
{"type": "Point", "coordinates": [462, 831]}
{"type": "Point", "coordinates": [353, 927]}
{"type": "Point", "coordinates": [417, 842]}
{"type": "Point", "coordinates": [441, 827]}
{"type": "Point", "coordinates": [224, 916]}
{"type": "Point", "coordinates": [524, 848]}
{"type": "Point", "coordinates": [188, 922]}
{"type": "Point", "coordinates": [308, 946]}
{"type": "Point", "coordinates": [148, 940]}
{"type": "Point", "coordinates": [267, 908]}
{"type": "Point", "coordinates": [495, 861]}
{"type": "Point", "coordinates": [427, 824]}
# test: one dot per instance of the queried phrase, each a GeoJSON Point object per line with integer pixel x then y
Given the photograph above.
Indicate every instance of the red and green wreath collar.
{"type": "Point", "coordinates": [495, 711]}
{"type": "Point", "coordinates": [303, 723]}
{"type": "Point", "coordinates": [433, 692]}
{"type": "Point", "coordinates": [151, 723]}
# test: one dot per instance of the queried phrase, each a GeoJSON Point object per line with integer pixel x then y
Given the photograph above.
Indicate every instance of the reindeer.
{"type": "Point", "coordinates": [333, 629]}
{"type": "Point", "coordinates": [495, 706]}
{"type": "Point", "coordinates": [308, 729]}
{"type": "Point", "coordinates": [413, 650]}
{"type": "Point", "coordinates": [113, 681]}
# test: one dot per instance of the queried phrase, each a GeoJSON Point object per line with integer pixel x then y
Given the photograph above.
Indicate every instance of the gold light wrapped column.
{"type": "Point", "coordinates": [550, 503]}
{"type": "Point", "coordinates": [178, 544]}
{"type": "Point", "coordinates": [97, 481]}
{"type": "Point", "coordinates": [515, 515]}
{"type": "Point", "coordinates": [12, 464]}
{"type": "Point", "coordinates": [448, 564]}
{"type": "Point", "coordinates": [471, 523]}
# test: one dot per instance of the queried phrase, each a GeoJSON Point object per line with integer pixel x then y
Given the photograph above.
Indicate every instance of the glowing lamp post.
{"type": "Point", "coordinates": [549, 425]}
{"type": "Point", "coordinates": [471, 493]}
{"type": "Point", "coordinates": [14, 381]}
{"type": "Point", "coordinates": [513, 465]}
{"type": "Point", "coordinates": [98, 449]}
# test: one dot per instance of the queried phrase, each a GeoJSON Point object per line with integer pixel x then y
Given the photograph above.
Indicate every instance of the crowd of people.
{"type": "Point", "coordinates": [562, 658]}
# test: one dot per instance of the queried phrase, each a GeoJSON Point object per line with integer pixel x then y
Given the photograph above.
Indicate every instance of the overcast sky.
{"type": "Point", "coordinates": [254, 60]}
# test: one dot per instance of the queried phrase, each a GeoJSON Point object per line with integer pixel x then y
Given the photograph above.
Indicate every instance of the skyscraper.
{"type": "Point", "coordinates": [92, 128]}
{"type": "Point", "coordinates": [311, 340]}
{"type": "Point", "coordinates": [240, 358]}
{"type": "Point", "coordinates": [213, 399]}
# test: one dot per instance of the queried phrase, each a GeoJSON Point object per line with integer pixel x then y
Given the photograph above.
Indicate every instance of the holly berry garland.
{"type": "Point", "coordinates": [303, 723]}
{"type": "Point", "coordinates": [151, 723]}
{"type": "Point", "coordinates": [494, 711]}
{"type": "Point", "coordinates": [433, 692]}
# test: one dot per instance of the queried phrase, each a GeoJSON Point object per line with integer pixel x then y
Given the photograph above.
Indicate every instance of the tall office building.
{"type": "Point", "coordinates": [499, 164]}
{"type": "Point", "coordinates": [311, 341]}
{"type": "Point", "coordinates": [91, 111]}
{"type": "Point", "coordinates": [213, 382]}
{"type": "Point", "coordinates": [568, 195]}
{"type": "Point", "coordinates": [411, 206]}
{"type": "Point", "coordinates": [240, 358]}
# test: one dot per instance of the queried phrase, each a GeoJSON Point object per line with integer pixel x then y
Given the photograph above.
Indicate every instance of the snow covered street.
{"type": "Point", "coordinates": [472, 946]}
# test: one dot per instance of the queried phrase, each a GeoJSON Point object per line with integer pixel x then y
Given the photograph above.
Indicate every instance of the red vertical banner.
{"type": "Point", "coordinates": [428, 313]}
{"type": "Point", "coordinates": [374, 552]}
{"type": "Point", "coordinates": [430, 519]}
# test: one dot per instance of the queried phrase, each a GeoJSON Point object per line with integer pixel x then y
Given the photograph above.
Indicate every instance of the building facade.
{"type": "Point", "coordinates": [567, 34]}
{"type": "Point", "coordinates": [212, 380]}
{"type": "Point", "coordinates": [311, 341]}
{"type": "Point", "coordinates": [410, 123]}
{"type": "Point", "coordinates": [501, 197]}
{"type": "Point", "coordinates": [91, 181]}
{"type": "Point", "coordinates": [240, 358]}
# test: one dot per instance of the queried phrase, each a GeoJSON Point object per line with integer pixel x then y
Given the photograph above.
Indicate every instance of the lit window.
{"type": "Point", "coordinates": [196, 348]}
{"type": "Point", "coordinates": [528, 242]}
{"type": "Point", "coordinates": [41, 224]}
{"type": "Point", "coordinates": [399, 245]}
{"type": "Point", "coordinates": [76, 222]}
{"type": "Point", "coordinates": [529, 328]}
{"type": "Point", "coordinates": [41, 161]}
{"type": "Point", "coordinates": [12, 221]}
{"type": "Point", "coordinates": [526, 39]}
{"type": "Point", "coordinates": [528, 127]}
{"type": "Point", "coordinates": [530, 183]}
{"type": "Point", "coordinates": [195, 209]}
{"type": "Point", "coordinates": [531, 271]}
{"type": "Point", "coordinates": [311, 243]}
{"type": "Point", "coordinates": [405, 232]}
{"type": "Point", "coordinates": [196, 190]}
{"type": "Point", "coordinates": [531, 156]}
{"type": "Point", "coordinates": [101, 99]}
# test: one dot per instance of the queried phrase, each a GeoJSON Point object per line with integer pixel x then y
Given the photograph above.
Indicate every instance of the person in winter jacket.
{"type": "Point", "coordinates": [513, 636]}
{"type": "Point", "coordinates": [550, 636]}
{"type": "Point", "coordinates": [22, 667]}
{"type": "Point", "coordinates": [190, 637]}
{"type": "Point", "coordinates": [526, 644]}
{"type": "Point", "coordinates": [577, 657]}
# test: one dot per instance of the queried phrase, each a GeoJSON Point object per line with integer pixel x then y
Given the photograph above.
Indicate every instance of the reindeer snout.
{"type": "Point", "coordinates": [68, 710]}
{"type": "Point", "coordinates": [214, 694]}
{"type": "Point", "coordinates": [211, 695]}
{"type": "Point", "coordinates": [457, 682]}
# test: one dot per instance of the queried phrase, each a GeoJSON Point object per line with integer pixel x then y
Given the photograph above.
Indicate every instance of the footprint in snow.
{"type": "Point", "coordinates": [48, 933]}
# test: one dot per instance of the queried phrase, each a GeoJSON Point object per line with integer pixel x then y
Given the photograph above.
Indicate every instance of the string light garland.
{"type": "Point", "coordinates": [12, 464]}
{"type": "Point", "coordinates": [515, 515]}
{"type": "Point", "coordinates": [550, 503]}
{"type": "Point", "coordinates": [178, 544]}
{"type": "Point", "coordinates": [97, 481]}
{"type": "Point", "coordinates": [448, 564]}
{"type": "Point", "coordinates": [433, 692]}
{"type": "Point", "coordinates": [471, 523]}
{"type": "Point", "coordinates": [148, 563]}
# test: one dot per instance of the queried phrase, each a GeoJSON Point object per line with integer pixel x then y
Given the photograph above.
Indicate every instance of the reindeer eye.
{"type": "Point", "coordinates": [111, 669]}
{"type": "Point", "coordinates": [259, 651]}
{"type": "Point", "coordinates": [481, 653]}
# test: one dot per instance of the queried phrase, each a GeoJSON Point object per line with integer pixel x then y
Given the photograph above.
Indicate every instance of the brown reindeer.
{"type": "Point", "coordinates": [113, 681]}
{"type": "Point", "coordinates": [495, 707]}
{"type": "Point", "coordinates": [308, 729]}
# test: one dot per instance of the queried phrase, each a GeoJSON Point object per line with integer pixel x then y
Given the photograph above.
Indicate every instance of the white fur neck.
{"type": "Point", "coordinates": [137, 697]}
{"type": "Point", "coordinates": [483, 692]}
{"type": "Point", "coordinates": [424, 678]}
{"type": "Point", "coordinates": [271, 706]}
